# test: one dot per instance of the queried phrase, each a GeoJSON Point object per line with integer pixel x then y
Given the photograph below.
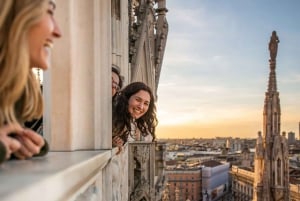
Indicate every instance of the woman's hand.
{"type": "Point", "coordinates": [118, 142]}
{"type": "Point", "coordinates": [31, 144]}
{"type": "Point", "coordinates": [11, 145]}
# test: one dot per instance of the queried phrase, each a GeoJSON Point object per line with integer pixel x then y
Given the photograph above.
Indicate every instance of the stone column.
{"type": "Point", "coordinates": [78, 85]}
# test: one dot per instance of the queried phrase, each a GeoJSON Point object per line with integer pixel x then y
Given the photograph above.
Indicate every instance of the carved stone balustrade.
{"type": "Point", "coordinates": [141, 171]}
{"type": "Point", "coordinates": [160, 164]}
{"type": "Point", "coordinates": [137, 173]}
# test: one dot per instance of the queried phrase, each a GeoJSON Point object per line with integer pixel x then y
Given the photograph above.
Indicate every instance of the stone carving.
{"type": "Point", "coordinates": [141, 161]}
{"type": "Point", "coordinates": [162, 29]}
{"type": "Point", "coordinates": [141, 153]}
{"type": "Point", "coordinates": [259, 147]}
{"type": "Point", "coordinates": [119, 167]}
{"type": "Point", "coordinates": [148, 30]}
{"type": "Point", "coordinates": [140, 193]}
{"type": "Point", "coordinates": [91, 194]}
{"type": "Point", "coordinates": [273, 46]}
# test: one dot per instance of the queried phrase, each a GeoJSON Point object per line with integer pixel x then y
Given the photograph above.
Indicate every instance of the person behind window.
{"type": "Point", "coordinates": [27, 33]}
{"type": "Point", "coordinates": [134, 114]}
{"type": "Point", "coordinates": [116, 79]}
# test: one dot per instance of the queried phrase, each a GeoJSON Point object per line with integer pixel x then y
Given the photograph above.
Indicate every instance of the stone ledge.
{"type": "Point", "coordinates": [57, 176]}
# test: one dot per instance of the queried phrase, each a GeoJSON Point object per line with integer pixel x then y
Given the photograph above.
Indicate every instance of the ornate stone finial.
{"type": "Point", "coordinates": [273, 46]}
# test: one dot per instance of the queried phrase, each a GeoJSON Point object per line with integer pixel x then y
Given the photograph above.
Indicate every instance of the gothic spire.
{"type": "Point", "coordinates": [272, 103]}
{"type": "Point", "coordinates": [271, 182]}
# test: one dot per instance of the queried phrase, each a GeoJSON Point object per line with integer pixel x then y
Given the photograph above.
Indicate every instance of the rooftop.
{"type": "Point", "coordinates": [211, 163]}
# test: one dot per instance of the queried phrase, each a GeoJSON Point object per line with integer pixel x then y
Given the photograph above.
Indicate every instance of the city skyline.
{"type": "Point", "coordinates": [215, 69]}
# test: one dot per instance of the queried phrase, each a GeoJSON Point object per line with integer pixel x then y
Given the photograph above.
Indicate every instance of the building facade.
{"type": "Point", "coordinates": [242, 185]}
{"type": "Point", "coordinates": [184, 184]}
{"type": "Point", "coordinates": [291, 138]}
{"type": "Point", "coordinates": [215, 180]}
{"type": "Point", "coordinates": [82, 165]}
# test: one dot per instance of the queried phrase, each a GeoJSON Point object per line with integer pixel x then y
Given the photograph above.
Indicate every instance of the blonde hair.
{"type": "Point", "coordinates": [20, 94]}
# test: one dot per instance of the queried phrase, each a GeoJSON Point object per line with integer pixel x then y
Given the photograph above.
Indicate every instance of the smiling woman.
{"type": "Point", "coordinates": [134, 114]}
{"type": "Point", "coordinates": [27, 30]}
{"type": "Point", "coordinates": [40, 38]}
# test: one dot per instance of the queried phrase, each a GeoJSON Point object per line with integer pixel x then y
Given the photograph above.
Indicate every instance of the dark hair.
{"type": "Point", "coordinates": [122, 118]}
{"type": "Point", "coordinates": [115, 70]}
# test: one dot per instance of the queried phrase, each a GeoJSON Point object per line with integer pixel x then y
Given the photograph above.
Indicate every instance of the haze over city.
{"type": "Point", "coordinates": [215, 69]}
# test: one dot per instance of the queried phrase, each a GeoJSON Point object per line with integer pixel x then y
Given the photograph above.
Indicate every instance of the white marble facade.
{"type": "Point", "coordinates": [77, 89]}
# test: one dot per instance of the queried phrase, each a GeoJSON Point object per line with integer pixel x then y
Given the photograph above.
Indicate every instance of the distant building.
{"type": "Point", "coordinates": [215, 180]}
{"type": "Point", "coordinates": [236, 145]}
{"type": "Point", "coordinates": [219, 142]}
{"type": "Point", "coordinates": [246, 157]}
{"type": "Point", "coordinates": [184, 184]}
{"type": "Point", "coordinates": [243, 180]}
{"type": "Point", "coordinates": [299, 132]}
{"type": "Point", "coordinates": [291, 137]}
{"type": "Point", "coordinates": [242, 183]}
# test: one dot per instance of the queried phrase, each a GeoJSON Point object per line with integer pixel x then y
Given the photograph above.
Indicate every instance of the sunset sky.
{"type": "Point", "coordinates": [215, 69]}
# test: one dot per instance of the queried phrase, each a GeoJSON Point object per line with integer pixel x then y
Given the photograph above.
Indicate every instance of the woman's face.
{"type": "Point", "coordinates": [138, 104]}
{"type": "Point", "coordinates": [41, 37]}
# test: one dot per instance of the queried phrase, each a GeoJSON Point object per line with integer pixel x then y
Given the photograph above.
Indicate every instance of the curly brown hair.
{"type": "Point", "coordinates": [122, 118]}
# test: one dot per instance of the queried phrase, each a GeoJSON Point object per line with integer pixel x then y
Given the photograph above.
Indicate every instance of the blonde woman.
{"type": "Point", "coordinates": [27, 33]}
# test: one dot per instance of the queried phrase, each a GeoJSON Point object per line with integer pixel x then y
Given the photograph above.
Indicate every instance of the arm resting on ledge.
{"type": "Point", "coordinates": [44, 150]}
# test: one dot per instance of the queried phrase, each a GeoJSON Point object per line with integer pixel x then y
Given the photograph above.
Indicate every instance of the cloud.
{"type": "Point", "coordinates": [291, 78]}
{"type": "Point", "coordinates": [216, 67]}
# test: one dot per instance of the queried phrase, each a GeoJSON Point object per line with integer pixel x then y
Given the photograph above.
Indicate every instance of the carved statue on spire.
{"type": "Point", "coordinates": [273, 46]}
{"type": "Point", "coordinates": [259, 147]}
